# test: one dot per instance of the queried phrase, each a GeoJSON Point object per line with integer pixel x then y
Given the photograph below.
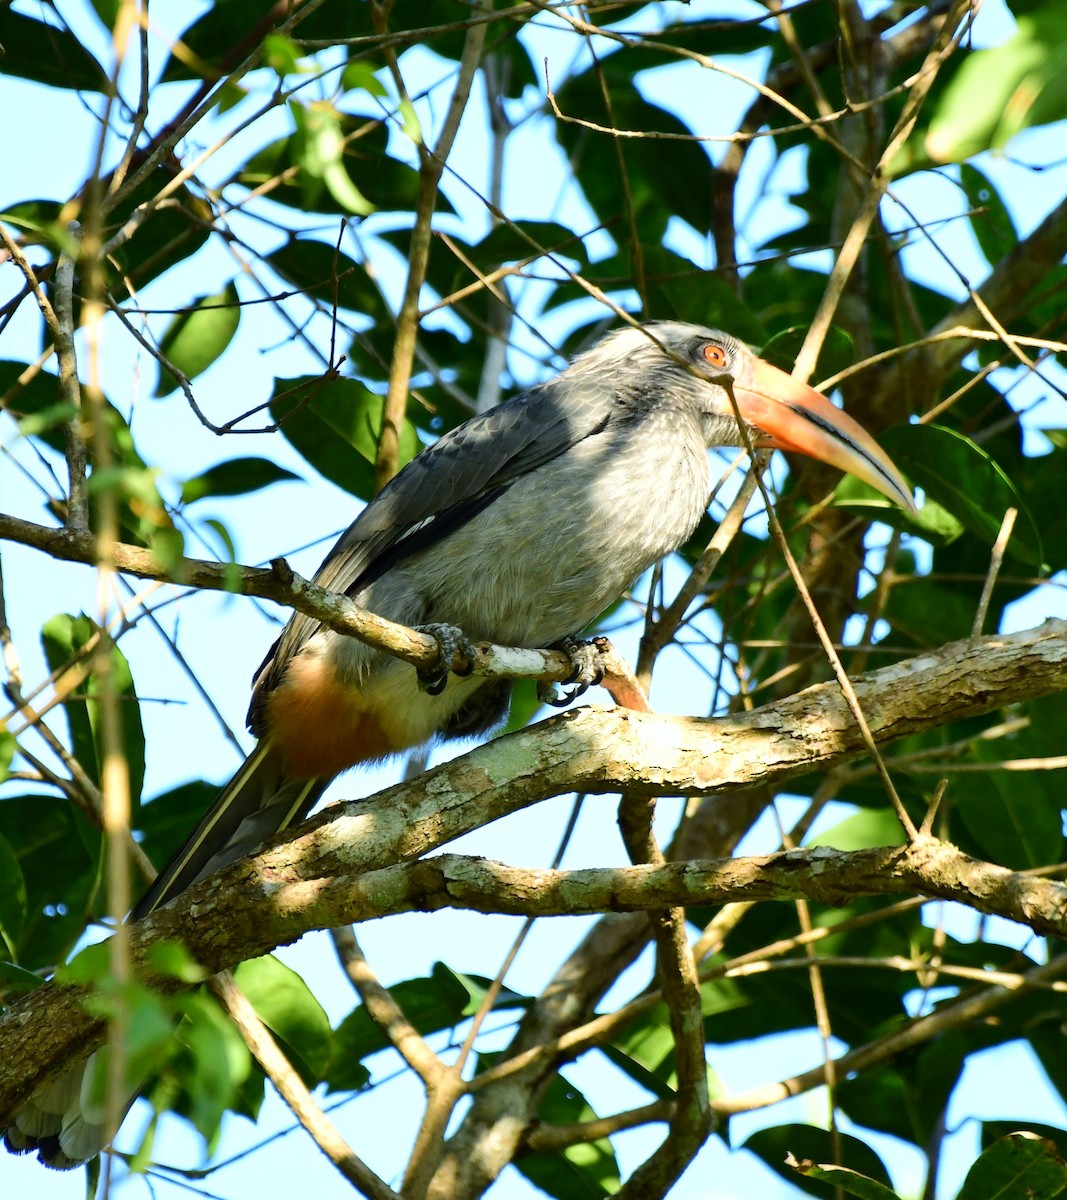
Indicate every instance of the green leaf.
{"type": "Point", "coordinates": [409, 121]}
{"type": "Point", "coordinates": [961, 477]}
{"type": "Point", "coordinates": [838, 350]}
{"type": "Point", "coordinates": [41, 52]}
{"type": "Point", "coordinates": [808, 1143]}
{"type": "Point", "coordinates": [171, 959]}
{"type": "Point", "coordinates": [282, 55]}
{"type": "Point", "coordinates": [36, 405]}
{"type": "Point", "coordinates": [440, 1001]}
{"type": "Point", "coordinates": [997, 92]}
{"type": "Point", "coordinates": [108, 11]}
{"type": "Point", "coordinates": [586, 1171]}
{"type": "Point", "coordinates": [386, 183]}
{"type": "Point", "coordinates": [318, 150]}
{"type": "Point", "coordinates": [16, 980]}
{"type": "Point", "coordinates": [644, 1050]}
{"type": "Point", "coordinates": [227, 24]}
{"type": "Point", "coordinates": [65, 639]}
{"type": "Point", "coordinates": [361, 76]}
{"type": "Point", "coordinates": [663, 175]}
{"type": "Point", "coordinates": [169, 235]}
{"type": "Point", "coordinates": [217, 1063]}
{"type": "Point", "coordinates": [864, 829]}
{"type": "Point", "coordinates": [12, 898]}
{"type": "Point", "coordinates": [327, 274]}
{"type": "Point", "coordinates": [1015, 817]}
{"type": "Point", "coordinates": [852, 1183]}
{"type": "Point", "coordinates": [1018, 1165]}
{"type": "Point", "coordinates": [287, 1007]}
{"type": "Point", "coordinates": [58, 870]}
{"type": "Point", "coordinates": [994, 1131]}
{"type": "Point", "coordinates": [234, 477]}
{"type": "Point", "coordinates": [8, 745]}
{"type": "Point", "coordinates": [514, 241]}
{"type": "Point", "coordinates": [334, 425]}
{"type": "Point", "coordinates": [196, 337]}
{"type": "Point", "coordinates": [990, 220]}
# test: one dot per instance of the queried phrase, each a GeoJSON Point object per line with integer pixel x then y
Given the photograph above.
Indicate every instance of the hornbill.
{"type": "Point", "coordinates": [518, 527]}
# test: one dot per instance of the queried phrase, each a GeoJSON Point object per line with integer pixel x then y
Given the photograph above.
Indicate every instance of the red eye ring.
{"type": "Point", "coordinates": [715, 356]}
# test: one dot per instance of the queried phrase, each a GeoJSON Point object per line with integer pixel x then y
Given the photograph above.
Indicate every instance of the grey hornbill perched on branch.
{"type": "Point", "coordinates": [519, 527]}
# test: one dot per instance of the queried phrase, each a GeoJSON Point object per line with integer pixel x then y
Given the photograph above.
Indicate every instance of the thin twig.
{"type": "Point", "coordinates": [996, 559]}
{"type": "Point", "coordinates": [432, 164]}
{"type": "Point", "coordinates": [294, 1092]}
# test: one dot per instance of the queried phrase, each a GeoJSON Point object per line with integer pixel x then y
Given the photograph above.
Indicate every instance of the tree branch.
{"type": "Point", "coordinates": [282, 585]}
{"type": "Point", "coordinates": [41, 1035]}
{"type": "Point", "coordinates": [341, 866]}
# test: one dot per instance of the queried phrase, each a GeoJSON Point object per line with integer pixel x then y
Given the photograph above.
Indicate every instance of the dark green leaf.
{"type": "Point", "coordinates": [961, 477]}
{"type": "Point", "coordinates": [168, 819]}
{"type": "Point", "coordinates": [108, 11]}
{"type": "Point", "coordinates": [16, 980]}
{"type": "Point", "coordinates": [335, 426]}
{"type": "Point", "coordinates": [513, 241]}
{"type": "Point", "coordinates": [1018, 1165]}
{"type": "Point", "coordinates": [170, 234]}
{"type": "Point", "coordinates": [653, 176]}
{"type": "Point", "coordinates": [838, 350]}
{"type": "Point", "coordinates": [58, 871]}
{"type": "Point", "coordinates": [12, 899]}
{"type": "Point", "coordinates": [990, 219]}
{"type": "Point", "coordinates": [1055, 1135]}
{"type": "Point", "coordinates": [327, 274]}
{"type": "Point", "coordinates": [806, 1142]}
{"type": "Point", "coordinates": [1016, 816]}
{"type": "Point", "coordinates": [41, 52]}
{"type": "Point", "coordinates": [431, 1004]}
{"type": "Point", "coordinates": [234, 477]}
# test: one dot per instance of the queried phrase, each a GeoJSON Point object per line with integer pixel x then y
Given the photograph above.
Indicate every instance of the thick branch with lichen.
{"type": "Point", "coordinates": [358, 860]}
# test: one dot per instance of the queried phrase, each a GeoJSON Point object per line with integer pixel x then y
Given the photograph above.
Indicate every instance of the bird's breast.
{"type": "Point", "coordinates": [564, 541]}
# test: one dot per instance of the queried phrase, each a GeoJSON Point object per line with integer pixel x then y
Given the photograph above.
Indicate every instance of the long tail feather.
{"type": "Point", "coordinates": [257, 802]}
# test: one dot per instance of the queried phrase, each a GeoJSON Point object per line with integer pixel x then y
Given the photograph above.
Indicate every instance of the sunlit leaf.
{"type": "Point", "coordinates": [288, 1008]}
{"type": "Point", "coordinates": [199, 335]}
{"type": "Point", "coordinates": [234, 477]}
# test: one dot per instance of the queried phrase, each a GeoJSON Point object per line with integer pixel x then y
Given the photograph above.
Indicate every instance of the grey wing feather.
{"type": "Point", "coordinates": [481, 456]}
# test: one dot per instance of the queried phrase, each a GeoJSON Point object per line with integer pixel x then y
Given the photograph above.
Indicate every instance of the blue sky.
{"type": "Point", "coordinates": [224, 638]}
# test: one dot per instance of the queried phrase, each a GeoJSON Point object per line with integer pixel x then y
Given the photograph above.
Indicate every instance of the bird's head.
{"type": "Point", "coordinates": [702, 367]}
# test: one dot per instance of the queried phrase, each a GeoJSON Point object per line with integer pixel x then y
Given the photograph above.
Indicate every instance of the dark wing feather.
{"type": "Point", "coordinates": [445, 486]}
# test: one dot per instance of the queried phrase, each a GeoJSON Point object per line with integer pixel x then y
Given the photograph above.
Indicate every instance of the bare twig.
{"type": "Point", "coordinates": [432, 164]}
{"type": "Point", "coordinates": [996, 558]}
{"type": "Point", "coordinates": [294, 1092]}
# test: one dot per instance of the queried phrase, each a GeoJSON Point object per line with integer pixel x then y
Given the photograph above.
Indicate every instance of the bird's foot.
{"type": "Point", "coordinates": [451, 640]}
{"type": "Point", "coordinates": [587, 672]}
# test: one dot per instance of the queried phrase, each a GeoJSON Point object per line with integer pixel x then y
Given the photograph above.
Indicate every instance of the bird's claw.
{"type": "Point", "coordinates": [451, 641]}
{"type": "Point", "coordinates": [587, 672]}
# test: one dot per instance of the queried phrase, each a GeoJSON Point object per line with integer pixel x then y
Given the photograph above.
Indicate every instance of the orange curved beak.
{"type": "Point", "coordinates": [789, 415]}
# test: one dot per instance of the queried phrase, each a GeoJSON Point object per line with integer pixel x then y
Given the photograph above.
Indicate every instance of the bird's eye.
{"type": "Point", "coordinates": [714, 356]}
